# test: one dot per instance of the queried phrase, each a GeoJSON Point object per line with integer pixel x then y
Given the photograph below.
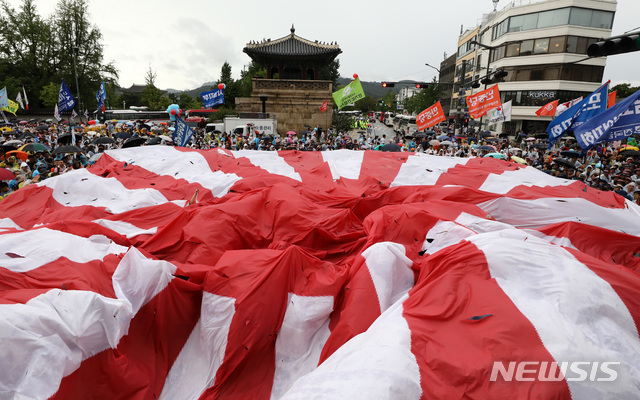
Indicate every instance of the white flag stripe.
{"type": "Point", "coordinates": [125, 228]}
{"type": "Point", "coordinates": [413, 172]}
{"type": "Point", "coordinates": [82, 188]}
{"type": "Point", "coordinates": [546, 211]}
{"type": "Point", "coordinates": [60, 328]}
{"type": "Point", "coordinates": [376, 364]}
{"type": "Point", "coordinates": [34, 248]}
{"type": "Point", "coordinates": [303, 334]}
{"type": "Point", "coordinates": [188, 165]}
{"type": "Point", "coordinates": [390, 270]}
{"type": "Point", "coordinates": [344, 163]}
{"type": "Point", "coordinates": [270, 161]}
{"type": "Point", "coordinates": [195, 368]}
{"type": "Point", "coordinates": [538, 276]}
{"type": "Point", "coordinates": [526, 176]}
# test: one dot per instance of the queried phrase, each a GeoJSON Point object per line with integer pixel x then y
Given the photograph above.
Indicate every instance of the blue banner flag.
{"type": "Point", "coordinates": [101, 96]}
{"type": "Point", "coordinates": [212, 98]}
{"type": "Point", "coordinates": [65, 99]}
{"type": "Point", "coordinates": [580, 113]}
{"type": "Point", "coordinates": [4, 99]}
{"type": "Point", "coordinates": [182, 134]}
{"type": "Point", "coordinates": [619, 122]}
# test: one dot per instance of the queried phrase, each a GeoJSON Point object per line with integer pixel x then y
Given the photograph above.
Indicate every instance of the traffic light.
{"type": "Point", "coordinates": [418, 86]}
{"type": "Point", "coordinates": [500, 74]}
{"type": "Point", "coordinates": [466, 122]}
{"type": "Point", "coordinates": [388, 84]}
{"type": "Point", "coordinates": [615, 45]}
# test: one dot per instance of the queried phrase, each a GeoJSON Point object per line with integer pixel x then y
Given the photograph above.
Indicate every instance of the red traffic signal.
{"type": "Point", "coordinates": [388, 84]}
{"type": "Point", "coordinates": [418, 86]}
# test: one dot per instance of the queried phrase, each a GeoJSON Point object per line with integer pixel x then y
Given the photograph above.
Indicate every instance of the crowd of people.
{"type": "Point", "coordinates": [37, 151]}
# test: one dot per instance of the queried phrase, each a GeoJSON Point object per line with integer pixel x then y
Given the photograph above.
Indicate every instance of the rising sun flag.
{"type": "Point", "coordinates": [173, 273]}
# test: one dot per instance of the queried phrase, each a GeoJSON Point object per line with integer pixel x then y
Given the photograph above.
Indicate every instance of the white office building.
{"type": "Point", "coordinates": [542, 44]}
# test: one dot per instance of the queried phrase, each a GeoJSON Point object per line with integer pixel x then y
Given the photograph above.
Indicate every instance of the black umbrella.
{"type": "Point", "coordinates": [103, 140]}
{"type": "Point", "coordinates": [540, 145]}
{"type": "Point", "coordinates": [66, 138]}
{"type": "Point", "coordinates": [67, 149]}
{"type": "Point", "coordinates": [485, 134]}
{"type": "Point", "coordinates": [155, 140]}
{"type": "Point", "coordinates": [26, 135]}
{"type": "Point", "coordinates": [570, 153]}
{"type": "Point", "coordinates": [629, 153]}
{"type": "Point", "coordinates": [42, 127]}
{"type": "Point", "coordinates": [134, 142]}
{"type": "Point", "coordinates": [391, 147]}
{"type": "Point", "coordinates": [420, 135]}
{"type": "Point", "coordinates": [305, 132]}
{"type": "Point", "coordinates": [541, 135]}
{"type": "Point", "coordinates": [565, 162]}
{"type": "Point", "coordinates": [123, 135]}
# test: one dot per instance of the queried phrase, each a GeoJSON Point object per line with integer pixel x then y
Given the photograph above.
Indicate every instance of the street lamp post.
{"type": "Point", "coordinates": [428, 65]}
{"type": "Point", "coordinates": [75, 71]}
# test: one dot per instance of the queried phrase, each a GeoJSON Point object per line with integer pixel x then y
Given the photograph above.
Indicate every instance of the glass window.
{"type": "Point", "coordinates": [526, 48]}
{"type": "Point", "coordinates": [516, 23]}
{"type": "Point", "coordinates": [580, 16]}
{"type": "Point", "coordinates": [602, 19]}
{"type": "Point", "coordinates": [541, 46]}
{"type": "Point", "coordinates": [556, 44]}
{"type": "Point", "coordinates": [545, 19]}
{"type": "Point", "coordinates": [530, 21]}
{"type": "Point", "coordinates": [551, 73]}
{"type": "Point", "coordinates": [572, 44]}
{"type": "Point", "coordinates": [582, 45]}
{"type": "Point", "coordinates": [513, 50]}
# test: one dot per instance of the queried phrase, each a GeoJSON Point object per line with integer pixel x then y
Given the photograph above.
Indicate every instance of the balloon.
{"type": "Point", "coordinates": [173, 111]}
{"type": "Point", "coordinates": [180, 111]}
{"type": "Point", "coordinates": [92, 122]}
{"type": "Point", "coordinates": [222, 86]}
{"type": "Point", "coordinates": [355, 76]}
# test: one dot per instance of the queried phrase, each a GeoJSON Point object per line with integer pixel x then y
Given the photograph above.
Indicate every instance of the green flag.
{"type": "Point", "coordinates": [349, 94]}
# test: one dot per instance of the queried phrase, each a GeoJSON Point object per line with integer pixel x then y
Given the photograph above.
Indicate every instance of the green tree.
{"type": "Point", "coordinates": [245, 86]}
{"type": "Point", "coordinates": [342, 122]}
{"type": "Point", "coordinates": [221, 113]}
{"type": "Point", "coordinates": [49, 94]}
{"type": "Point", "coordinates": [77, 37]}
{"type": "Point", "coordinates": [233, 88]}
{"type": "Point", "coordinates": [424, 98]}
{"type": "Point", "coordinates": [624, 90]}
{"type": "Point", "coordinates": [330, 72]}
{"type": "Point", "coordinates": [366, 104]}
{"type": "Point", "coordinates": [187, 102]}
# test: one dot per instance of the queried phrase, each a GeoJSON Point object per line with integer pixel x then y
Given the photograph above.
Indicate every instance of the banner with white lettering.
{"type": "Point", "coordinates": [430, 117]}
{"type": "Point", "coordinates": [484, 101]}
{"type": "Point", "coordinates": [618, 122]}
{"type": "Point", "coordinates": [65, 98]}
{"type": "Point", "coordinates": [212, 98]}
{"type": "Point", "coordinates": [580, 113]}
{"type": "Point", "coordinates": [182, 134]}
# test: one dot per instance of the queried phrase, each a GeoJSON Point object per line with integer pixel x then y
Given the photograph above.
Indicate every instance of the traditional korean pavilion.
{"type": "Point", "coordinates": [292, 57]}
{"type": "Point", "coordinates": [292, 92]}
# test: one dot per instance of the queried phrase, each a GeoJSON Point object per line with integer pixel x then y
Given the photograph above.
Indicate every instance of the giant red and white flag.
{"type": "Point", "coordinates": [296, 275]}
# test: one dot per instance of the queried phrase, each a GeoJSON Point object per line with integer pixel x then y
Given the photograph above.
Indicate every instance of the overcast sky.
{"type": "Point", "coordinates": [186, 42]}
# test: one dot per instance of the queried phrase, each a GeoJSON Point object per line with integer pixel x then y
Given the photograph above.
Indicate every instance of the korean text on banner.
{"type": "Point", "coordinates": [548, 109]}
{"type": "Point", "coordinates": [430, 117]}
{"type": "Point", "coordinates": [212, 98]}
{"type": "Point", "coordinates": [65, 98]}
{"type": "Point", "coordinates": [324, 105]}
{"type": "Point", "coordinates": [348, 94]}
{"type": "Point", "coordinates": [484, 101]}
{"type": "Point", "coordinates": [182, 134]}
{"type": "Point", "coordinates": [617, 123]}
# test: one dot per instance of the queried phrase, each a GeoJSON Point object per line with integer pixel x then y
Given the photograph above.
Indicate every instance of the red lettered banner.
{"type": "Point", "coordinates": [484, 101]}
{"type": "Point", "coordinates": [430, 116]}
{"type": "Point", "coordinates": [548, 109]}
{"type": "Point", "coordinates": [323, 107]}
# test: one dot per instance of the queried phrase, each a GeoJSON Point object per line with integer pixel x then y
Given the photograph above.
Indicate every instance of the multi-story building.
{"type": "Point", "coordinates": [464, 72]}
{"type": "Point", "coordinates": [542, 44]}
{"type": "Point", "coordinates": [447, 73]}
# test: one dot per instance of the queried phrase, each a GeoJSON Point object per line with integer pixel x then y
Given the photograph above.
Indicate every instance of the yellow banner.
{"type": "Point", "coordinates": [13, 107]}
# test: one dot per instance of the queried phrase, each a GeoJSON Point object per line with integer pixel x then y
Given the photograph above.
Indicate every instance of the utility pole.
{"type": "Point", "coordinates": [75, 71]}
{"type": "Point", "coordinates": [461, 93]}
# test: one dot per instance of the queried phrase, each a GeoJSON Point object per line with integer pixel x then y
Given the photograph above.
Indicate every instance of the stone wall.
{"type": "Point", "coordinates": [294, 103]}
